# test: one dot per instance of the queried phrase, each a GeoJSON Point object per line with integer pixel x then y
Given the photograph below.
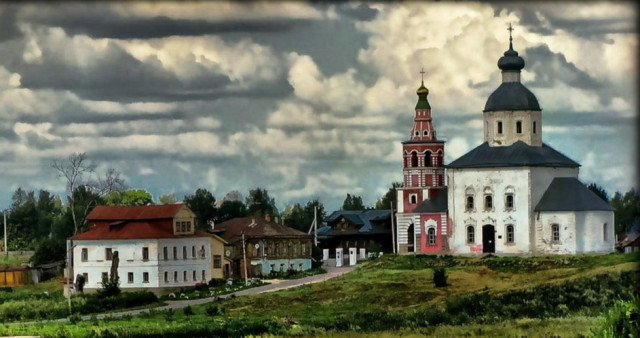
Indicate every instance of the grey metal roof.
{"type": "Point", "coordinates": [518, 154]}
{"type": "Point", "coordinates": [512, 96]}
{"type": "Point", "coordinates": [365, 217]}
{"type": "Point", "coordinates": [437, 203]}
{"type": "Point", "coordinates": [569, 194]}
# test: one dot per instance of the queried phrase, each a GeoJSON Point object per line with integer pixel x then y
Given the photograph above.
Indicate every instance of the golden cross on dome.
{"type": "Point", "coordinates": [510, 29]}
{"type": "Point", "coordinates": [422, 72]}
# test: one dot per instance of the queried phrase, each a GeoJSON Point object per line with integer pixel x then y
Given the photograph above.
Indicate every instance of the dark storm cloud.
{"type": "Point", "coordinates": [549, 67]}
{"type": "Point", "coordinates": [101, 21]}
{"type": "Point", "coordinates": [363, 12]}
{"type": "Point", "coordinates": [6, 132]}
{"type": "Point", "coordinates": [545, 20]}
{"type": "Point", "coordinates": [8, 24]}
{"type": "Point", "coordinates": [115, 75]}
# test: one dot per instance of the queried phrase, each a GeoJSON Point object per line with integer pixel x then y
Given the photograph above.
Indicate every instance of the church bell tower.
{"type": "Point", "coordinates": [423, 157]}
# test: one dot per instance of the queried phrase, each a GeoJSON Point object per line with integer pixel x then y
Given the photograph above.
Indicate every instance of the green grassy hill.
{"type": "Point", "coordinates": [496, 296]}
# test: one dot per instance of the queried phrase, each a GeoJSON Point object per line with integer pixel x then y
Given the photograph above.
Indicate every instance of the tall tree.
{"type": "Point", "coordinates": [259, 203]}
{"type": "Point", "coordinates": [31, 218]}
{"type": "Point", "coordinates": [301, 218]}
{"type": "Point", "coordinates": [78, 171]}
{"type": "Point", "coordinates": [353, 203]}
{"type": "Point", "coordinates": [385, 202]}
{"type": "Point", "coordinates": [167, 198]}
{"type": "Point", "coordinates": [598, 190]}
{"type": "Point", "coordinates": [625, 208]}
{"type": "Point", "coordinates": [131, 197]}
{"type": "Point", "coordinates": [231, 209]}
{"type": "Point", "coordinates": [203, 204]}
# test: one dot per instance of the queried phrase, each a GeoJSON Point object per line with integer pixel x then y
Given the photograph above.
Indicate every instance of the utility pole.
{"type": "Point", "coordinates": [244, 255]}
{"type": "Point", "coordinates": [393, 230]}
{"type": "Point", "coordinates": [315, 225]}
{"type": "Point", "coordinates": [6, 248]}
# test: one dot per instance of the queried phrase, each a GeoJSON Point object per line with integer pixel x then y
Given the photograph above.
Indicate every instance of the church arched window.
{"type": "Point", "coordinates": [413, 198]}
{"type": "Point", "coordinates": [427, 158]}
{"type": "Point", "coordinates": [425, 133]}
{"type": "Point", "coordinates": [488, 199]}
{"type": "Point", "coordinates": [519, 127]}
{"type": "Point", "coordinates": [555, 232]}
{"type": "Point", "coordinates": [499, 127]}
{"type": "Point", "coordinates": [471, 234]}
{"type": "Point", "coordinates": [431, 236]}
{"type": "Point", "coordinates": [414, 159]}
{"type": "Point", "coordinates": [604, 232]}
{"type": "Point", "coordinates": [469, 204]}
{"type": "Point", "coordinates": [439, 159]}
{"type": "Point", "coordinates": [534, 127]}
{"type": "Point", "coordinates": [510, 234]}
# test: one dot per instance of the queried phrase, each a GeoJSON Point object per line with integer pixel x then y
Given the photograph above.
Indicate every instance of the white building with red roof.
{"type": "Point", "coordinates": [157, 245]}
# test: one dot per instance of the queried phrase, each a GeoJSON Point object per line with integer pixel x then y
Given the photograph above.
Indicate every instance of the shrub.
{"type": "Point", "coordinates": [109, 288]}
{"type": "Point", "coordinates": [188, 311]}
{"type": "Point", "coordinates": [623, 320]}
{"type": "Point", "coordinates": [75, 318]}
{"type": "Point", "coordinates": [440, 277]}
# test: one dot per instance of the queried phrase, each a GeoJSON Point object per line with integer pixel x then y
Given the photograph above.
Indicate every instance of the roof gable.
{"type": "Point", "coordinates": [569, 194]}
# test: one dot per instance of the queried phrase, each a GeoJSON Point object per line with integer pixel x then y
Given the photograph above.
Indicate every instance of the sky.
{"type": "Point", "coordinates": [307, 100]}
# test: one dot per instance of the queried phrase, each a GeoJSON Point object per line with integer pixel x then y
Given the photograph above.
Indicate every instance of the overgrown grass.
{"type": "Point", "coordinates": [13, 260]}
{"type": "Point", "coordinates": [484, 297]}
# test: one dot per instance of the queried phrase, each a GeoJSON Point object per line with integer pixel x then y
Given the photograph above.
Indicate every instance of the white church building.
{"type": "Point", "coordinates": [513, 194]}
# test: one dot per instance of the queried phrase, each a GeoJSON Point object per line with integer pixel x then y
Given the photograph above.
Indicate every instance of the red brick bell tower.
{"type": "Point", "coordinates": [423, 158]}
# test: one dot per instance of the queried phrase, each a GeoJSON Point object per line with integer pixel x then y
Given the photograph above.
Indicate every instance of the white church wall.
{"type": "Point", "coordinates": [541, 177]}
{"type": "Point", "coordinates": [545, 243]}
{"type": "Point", "coordinates": [499, 181]}
{"type": "Point", "coordinates": [592, 235]}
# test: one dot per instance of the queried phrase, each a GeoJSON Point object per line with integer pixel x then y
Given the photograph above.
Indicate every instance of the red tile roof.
{"type": "Point", "coordinates": [134, 212]}
{"type": "Point", "coordinates": [132, 230]}
{"type": "Point", "coordinates": [232, 229]}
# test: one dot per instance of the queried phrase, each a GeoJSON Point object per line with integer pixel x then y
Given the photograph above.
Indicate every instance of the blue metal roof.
{"type": "Point", "coordinates": [359, 217]}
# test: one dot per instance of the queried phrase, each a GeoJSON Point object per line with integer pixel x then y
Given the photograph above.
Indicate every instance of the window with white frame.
{"type": "Point", "coordinates": [510, 234]}
{"type": "Point", "coordinates": [471, 234]}
{"type": "Point", "coordinates": [145, 277]}
{"type": "Point", "coordinates": [431, 236]}
{"type": "Point", "coordinates": [555, 232]}
{"type": "Point", "coordinates": [413, 198]}
{"type": "Point", "coordinates": [175, 276]}
{"type": "Point", "coordinates": [145, 254]}
{"type": "Point", "coordinates": [508, 201]}
{"type": "Point", "coordinates": [130, 277]}
{"type": "Point", "coordinates": [488, 202]}
{"type": "Point", "coordinates": [469, 204]}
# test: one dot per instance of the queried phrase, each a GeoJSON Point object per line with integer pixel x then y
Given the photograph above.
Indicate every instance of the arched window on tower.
{"type": "Point", "coordinates": [427, 158]}
{"type": "Point", "coordinates": [414, 159]}
{"type": "Point", "coordinates": [439, 159]}
{"type": "Point", "coordinates": [499, 127]}
{"type": "Point", "coordinates": [425, 133]}
{"type": "Point", "coordinates": [519, 127]}
{"type": "Point", "coordinates": [534, 127]}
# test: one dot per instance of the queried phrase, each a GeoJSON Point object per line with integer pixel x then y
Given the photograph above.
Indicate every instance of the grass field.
{"type": "Point", "coordinates": [378, 296]}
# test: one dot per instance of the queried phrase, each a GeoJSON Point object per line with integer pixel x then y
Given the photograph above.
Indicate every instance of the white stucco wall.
{"type": "Point", "coordinates": [509, 135]}
{"type": "Point", "coordinates": [591, 231]}
{"type": "Point", "coordinates": [130, 254]}
{"type": "Point", "coordinates": [499, 181]}
{"type": "Point", "coordinates": [568, 236]}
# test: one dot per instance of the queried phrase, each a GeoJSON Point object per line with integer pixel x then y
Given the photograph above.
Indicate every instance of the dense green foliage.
{"type": "Point", "coordinates": [626, 209]}
{"type": "Point", "coordinates": [259, 203]}
{"type": "Point", "coordinates": [203, 204]}
{"type": "Point", "coordinates": [231, 209]}
{"type": "Point", "coordinates": [301, 218]}
{"type": "Point", "coordinates": [353, 202]}
{"type": "Point", "coordinates": [131, 197]}
{"type": "Point", "coordinates": [49, 250]}
{"type": "Point", "coordinates": [622, 320]}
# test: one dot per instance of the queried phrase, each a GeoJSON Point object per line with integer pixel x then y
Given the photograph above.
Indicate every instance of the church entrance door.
{"type": "Point", "coordinates": [488, 238]}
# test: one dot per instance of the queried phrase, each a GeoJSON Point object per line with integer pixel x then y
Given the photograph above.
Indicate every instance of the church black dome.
{"type": "Point", "coordinates": [511, 60]}
{"type": "Point", "coordinates": [512, 96]}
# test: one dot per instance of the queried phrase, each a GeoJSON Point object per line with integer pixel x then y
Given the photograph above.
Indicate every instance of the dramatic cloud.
{"type": "Point", "coordinates": [308, 100]}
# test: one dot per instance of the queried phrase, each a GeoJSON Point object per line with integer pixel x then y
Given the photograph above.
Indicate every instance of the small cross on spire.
{"type": "Point", "coordinates": [422, 72]}
{"type": "Point", "coordinates": [510, 29]}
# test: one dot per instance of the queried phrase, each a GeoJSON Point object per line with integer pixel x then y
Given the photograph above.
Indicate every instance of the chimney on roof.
{"type": "Point", "coordinates": [212, 224]}
{"type": "Point", "coordinates": [253, 223]}
{"type": "Point", "coordinates": [267, 217]}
